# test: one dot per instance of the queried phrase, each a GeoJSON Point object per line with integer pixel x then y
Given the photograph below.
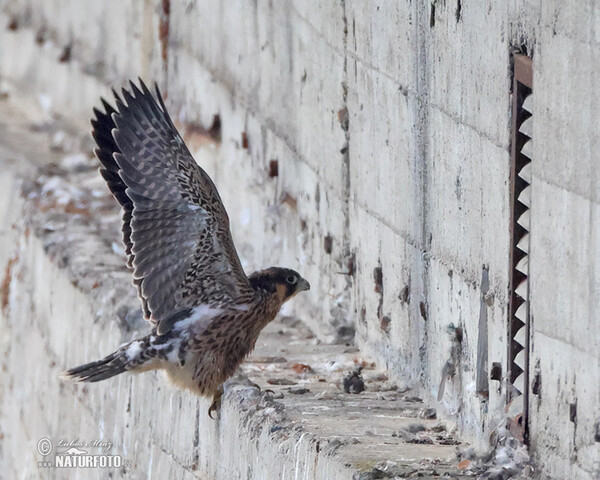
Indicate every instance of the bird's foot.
{"type": "Point", "coordinates": [215, 406]}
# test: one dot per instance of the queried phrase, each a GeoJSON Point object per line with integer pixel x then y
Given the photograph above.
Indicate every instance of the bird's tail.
{"type": "Point", "coordinates": [130, 356]}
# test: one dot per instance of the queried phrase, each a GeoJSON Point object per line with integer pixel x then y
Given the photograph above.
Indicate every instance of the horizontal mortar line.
{"type": "Point", "coordinates": [387, 223]}
{"type": "Point", "coordinates": [592, 354]}
{"type": "Point", "coordinates": [473, 128]}
{"type": "Point", "coordinates": [403, 89]}
{"type": "Point", "coordinates": [555, 185]}
{"type": "Point", "coordinates": [338, 51]}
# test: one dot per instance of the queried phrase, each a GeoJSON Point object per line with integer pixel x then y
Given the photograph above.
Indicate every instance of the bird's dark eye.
{"type": "Point", "coordinates": [292, 279]}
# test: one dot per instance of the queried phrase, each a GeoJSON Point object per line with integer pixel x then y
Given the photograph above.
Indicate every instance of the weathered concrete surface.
{"type": "Point", "coordinates": [390, 125]}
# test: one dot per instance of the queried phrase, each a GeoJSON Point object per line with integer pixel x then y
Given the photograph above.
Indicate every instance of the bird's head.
{"type": "Point", "coordinates": [284, 281]}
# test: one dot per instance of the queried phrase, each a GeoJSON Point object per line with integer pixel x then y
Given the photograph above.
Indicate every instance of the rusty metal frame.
{"type": "Point", "coordinates": [521, 87]}
{"type": "Point", "coordinates": [523, 70]}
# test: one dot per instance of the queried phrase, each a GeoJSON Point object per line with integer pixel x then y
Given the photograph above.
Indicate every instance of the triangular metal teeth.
{"type": "Point", "coordinates": [525, 196]}
{"type": "Point", "coordinates": [527, 149]}
{"type": "Point", "coordinates": [515, 369]}
{"type": "Point", "coordinates": [520, 337]}
{"type": "Point", "coordinates": [525, 173]}
{"type": "Point", "coordinates": [521, 290]}
{"type": "Point", "coordinates": [519, 383]}
{"type": "Point", "coordinates": [523, 244]}
{"type": "Point", "coordinates": [521, 313]}
{"type": "Point", "coordinates": [528, 104]}
{"type": "Point", "coordinates": [520, 359]}
{"type": "Point", "coordinates": [526, 127]}
{"type": "Point", "coordinates": [523, 265]}
{"type": "Point", "coordinates": [525, 220]}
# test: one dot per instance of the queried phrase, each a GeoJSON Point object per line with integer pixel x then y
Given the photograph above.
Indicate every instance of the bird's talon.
{"type": "Point", "coordinates": [216, 404]}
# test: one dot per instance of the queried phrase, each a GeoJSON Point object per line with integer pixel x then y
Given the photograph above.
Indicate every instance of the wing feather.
{"type": "Point", "coordinates": [175, 227]}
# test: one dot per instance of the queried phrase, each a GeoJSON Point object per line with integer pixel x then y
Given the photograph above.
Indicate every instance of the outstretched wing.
{"type": "Point", "coordinates": [175, 227]}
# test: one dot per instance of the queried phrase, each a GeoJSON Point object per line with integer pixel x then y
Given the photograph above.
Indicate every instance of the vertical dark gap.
{"type": "Point", "coordinates": [518, 325]}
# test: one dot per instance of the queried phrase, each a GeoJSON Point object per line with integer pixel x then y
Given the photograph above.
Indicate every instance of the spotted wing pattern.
{"type": "Point", "coordinates": [175, 227]}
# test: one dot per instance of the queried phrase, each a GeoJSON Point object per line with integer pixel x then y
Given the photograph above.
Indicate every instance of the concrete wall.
{"type": "Point", "coordinates": [390, 124]}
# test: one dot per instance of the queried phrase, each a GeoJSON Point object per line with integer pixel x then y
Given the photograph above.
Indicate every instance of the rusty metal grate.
{"type": "Point", "coordinates": [519, 319]}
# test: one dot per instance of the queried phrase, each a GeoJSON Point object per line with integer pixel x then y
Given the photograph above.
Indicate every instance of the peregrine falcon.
{"type": "Point", "coordinates": [205, 313]}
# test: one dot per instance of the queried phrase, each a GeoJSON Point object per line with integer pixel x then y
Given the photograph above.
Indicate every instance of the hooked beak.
{"type": "Point", "coordinates": [302, 285]}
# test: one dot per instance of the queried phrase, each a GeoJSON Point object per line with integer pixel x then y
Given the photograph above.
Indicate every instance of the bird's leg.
{"type": "Point", "coordinates": [216, 403]}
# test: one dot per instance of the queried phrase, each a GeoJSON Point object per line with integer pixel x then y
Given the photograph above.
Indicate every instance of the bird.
{"type": "Point", "coordinates": [205, 313]}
